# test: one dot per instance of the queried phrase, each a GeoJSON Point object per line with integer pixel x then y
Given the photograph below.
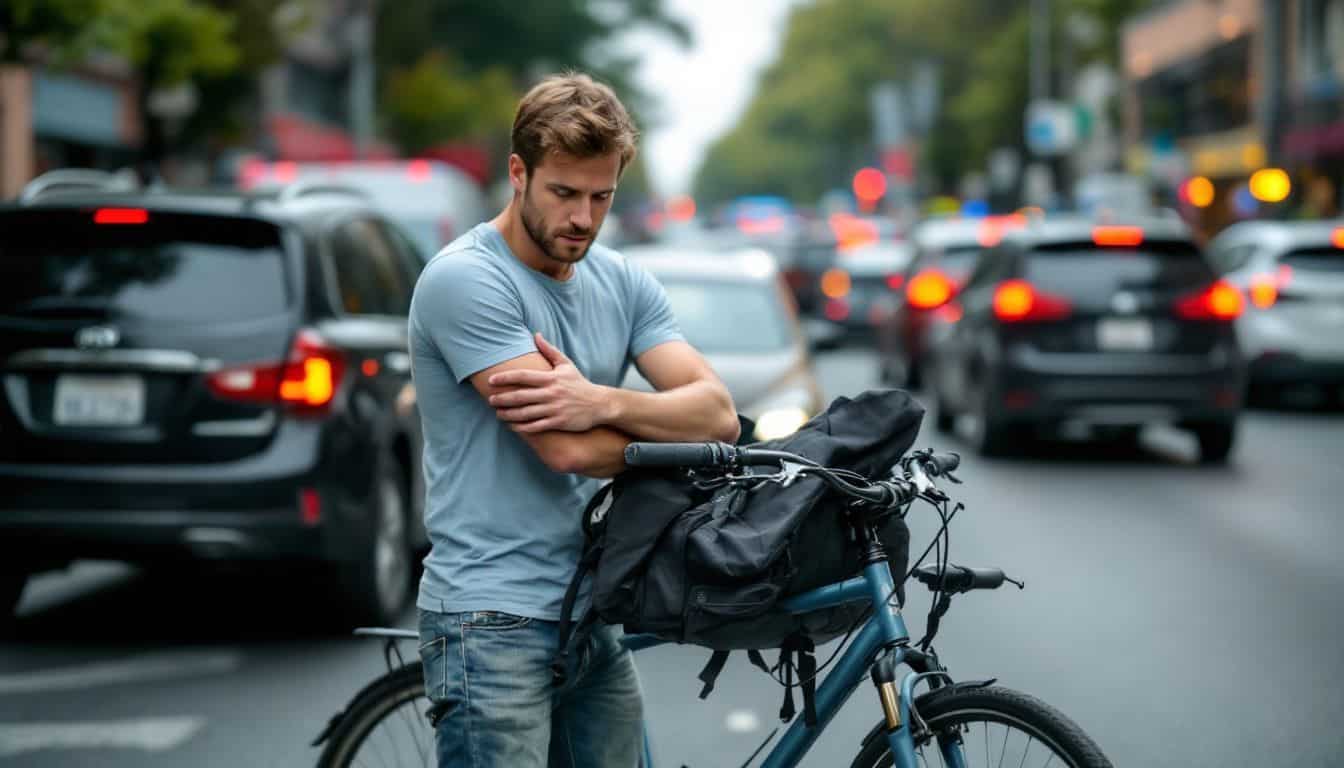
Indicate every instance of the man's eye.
{"type": "Point", "coordinates": [602, 196]}
{"type": "Point", "coordinates": [564, 192]}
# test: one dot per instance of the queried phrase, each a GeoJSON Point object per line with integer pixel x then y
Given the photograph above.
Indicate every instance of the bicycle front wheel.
{"type": "Point", "coordinates": [385, 725]}
{"type": "Point", "coordinates": [997, 727]}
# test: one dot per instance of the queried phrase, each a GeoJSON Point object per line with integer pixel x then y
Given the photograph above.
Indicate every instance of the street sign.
{"type": "Point", "coordinates": [1051, 128]}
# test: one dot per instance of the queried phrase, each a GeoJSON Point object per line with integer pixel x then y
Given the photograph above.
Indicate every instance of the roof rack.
{"type": "Point", "coordinates": [77, 178]}
{"type": "Point", "coordinates": [306, 188]}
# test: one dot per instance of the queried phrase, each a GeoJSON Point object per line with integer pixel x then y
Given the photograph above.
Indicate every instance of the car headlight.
{"type": "Point", "coordinates": [779, 422]}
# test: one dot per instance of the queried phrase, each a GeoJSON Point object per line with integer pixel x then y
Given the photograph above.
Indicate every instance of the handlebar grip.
{"type": "Point", "coordinates": [679, 454]}
{"type": "Point", "coordinates": [942, 463]}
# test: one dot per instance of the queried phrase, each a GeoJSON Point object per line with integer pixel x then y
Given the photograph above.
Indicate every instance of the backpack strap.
{"type": "Point", "coordinates": [801, 648]}
{"type": "Point", "coordinates": [566, 630]}
{"type": "Point", "coordinates": [710, 673]}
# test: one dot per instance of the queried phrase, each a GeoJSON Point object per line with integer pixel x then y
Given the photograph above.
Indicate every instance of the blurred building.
{"type": "Point", "coordinates": [1221, 89]}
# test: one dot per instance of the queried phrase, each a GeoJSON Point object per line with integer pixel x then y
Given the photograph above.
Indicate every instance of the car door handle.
{"type": "Point", "coordinates": [397, 362]}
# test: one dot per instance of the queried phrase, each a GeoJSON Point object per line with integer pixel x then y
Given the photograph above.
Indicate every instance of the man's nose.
{"type": "Point", "coordinates": [581, 217]}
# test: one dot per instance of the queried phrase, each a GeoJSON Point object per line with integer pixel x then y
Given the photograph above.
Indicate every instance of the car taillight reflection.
{"type": "Point", "coordinates": [1264, 289]}
{"type": "Point", "coordinates": [1018, 301]}
{"type": "Point", "coordinates": [835, 284]}
{"type": "Point", "coordinates": [1220, 301]}
{"type": "Point", "coordinates": [929, 289]}
{"type": "Point", "coordinates": [306, 381]}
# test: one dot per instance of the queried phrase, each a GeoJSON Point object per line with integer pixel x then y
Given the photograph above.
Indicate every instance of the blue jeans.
{"type": "Point", "coordinates": [489, 674]}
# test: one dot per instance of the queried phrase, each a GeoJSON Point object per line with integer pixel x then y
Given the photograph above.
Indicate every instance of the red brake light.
{"type": "Point", "coordinates": [929, 289]}
{"type": "Point", "coordinates": [1264, 291]}
{"type": "Point", "coordinates": [1117, 236]}
{"type": "Point", "coordinates": [1018, 301]}
{"type": "Point", "coordinates": [120, 216]}
{"type": "Point", "coordinates": [895, 282]}
{"type": "Point", "coordinates": [306, 381]}
{"type": "Point", "coordinates": [1220, 301]}
{"type": "Point", "coordinates": [1337, 237]}
{"type": "Point", "coordinates": [285, 171]}
{"type": "Point", "coordinates": [418, 170]}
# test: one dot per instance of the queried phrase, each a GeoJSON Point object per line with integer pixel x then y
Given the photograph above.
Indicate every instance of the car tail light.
{"type": "Point", "coordinates": [121, 216]}
{"type": "Point", "coordinates": [418, 170]}
{"type": "Point", "coordinates": [1018, 301]}
{"type": "Point", "coordinates": [1264, 289]}
{"type": "Point", "coordinates": [306, 381]}
{"type": "Point", "coordinates": [895, 282]}
{"type": "Point", "coordinates": [929, 289]}
{"type": "Point", "coordinates": [836, 310]}
{"type": "Point", "coordinates": [1337, 237]}
{"type": "Point", "coordinates": [1122, 237]}
{"type": "Point", "coordinates": [1220, 301]}
{"type": "Point", "coordinates": [835, 284]}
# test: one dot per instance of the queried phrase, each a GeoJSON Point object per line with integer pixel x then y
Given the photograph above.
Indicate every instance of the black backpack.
{"type": "Point", "coordinates": [708, 567]}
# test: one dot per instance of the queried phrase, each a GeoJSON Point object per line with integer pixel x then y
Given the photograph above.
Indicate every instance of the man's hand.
{"type": "Point", "coordinates": [558, 399]}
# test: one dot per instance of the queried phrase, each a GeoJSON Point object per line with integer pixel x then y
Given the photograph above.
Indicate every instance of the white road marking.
{"type": "Point", "coordinates": [742, 721]}
{"type": "Point", "coordinates": [132, 670]}
{"type": "Point", "coordinates": [150, 734]}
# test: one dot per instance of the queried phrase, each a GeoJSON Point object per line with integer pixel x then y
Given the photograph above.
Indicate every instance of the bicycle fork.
{"type": "Point", "coordinates": [897, 714]}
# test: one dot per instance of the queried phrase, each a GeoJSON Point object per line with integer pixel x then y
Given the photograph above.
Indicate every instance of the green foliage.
{"type": "Point", "coordinates": [807, 128]}
{"type": "Point", "coordinates": [168, 40]}
{"type": "Point", "coordinates": [434, 101]}
{"type": "Point", "coordinates": [56, 24]}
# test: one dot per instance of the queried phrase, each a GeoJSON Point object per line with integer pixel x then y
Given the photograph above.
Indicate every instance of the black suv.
{"type": "Point", "coordinates": [1072, 323]}
{"type": "Point", "coordinates": [208, 376]}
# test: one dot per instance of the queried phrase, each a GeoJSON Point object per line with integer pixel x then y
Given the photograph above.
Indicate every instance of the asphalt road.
{"type": "Point", "coordinates": [1185, 616]}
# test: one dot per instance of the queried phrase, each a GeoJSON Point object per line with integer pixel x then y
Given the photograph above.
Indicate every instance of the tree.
{"type": "Point", "coordinates": [434, 99]}
{"type": "Point", "coordinates": [55, 24]}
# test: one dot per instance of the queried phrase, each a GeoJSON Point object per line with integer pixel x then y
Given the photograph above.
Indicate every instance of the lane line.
{"type": "Point", "coordinates": [136, 669]}
{"type": "Point", "coordinates": [150, 734]}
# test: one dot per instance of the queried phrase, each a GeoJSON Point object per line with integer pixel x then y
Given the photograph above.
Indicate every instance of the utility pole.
{"type": "Point", "coordinates": [360, 31]}
{"type": "Point", "coordinates": [1272, 77]}
{"type": "Point", "coordinates": [1040, 50]}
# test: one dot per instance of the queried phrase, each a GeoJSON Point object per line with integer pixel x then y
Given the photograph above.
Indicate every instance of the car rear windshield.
{"type": "Point", "coordinates": [1082, 267]}
{"type": "Point", "coordinates": [173, 267]}
{"type": "Point", "coordinates": [957, 260]}
{"type": "Point", "coordinates": [721, 317]}
{"type": "Point", "coordinates": [1315, 260]}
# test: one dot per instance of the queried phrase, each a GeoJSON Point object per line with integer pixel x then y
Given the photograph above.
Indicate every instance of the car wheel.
{"type": "Point", "coordinates": [1215, 441]}
{"type": "Point", "coordinates": [380, 581]}
{"type": "Point", "coordinates": [991, 435]}
{"type": "Point", "coordinates": [12, 582]}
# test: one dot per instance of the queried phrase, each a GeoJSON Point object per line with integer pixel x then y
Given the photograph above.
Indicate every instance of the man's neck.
{"type": "Point", "coordinates": [509, 222]}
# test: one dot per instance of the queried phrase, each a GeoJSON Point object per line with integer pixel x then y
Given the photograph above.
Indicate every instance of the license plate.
{"type": "Point", "coordinates": [1124, 334]}
{"type": "Point", "coordinates": [99, 401]}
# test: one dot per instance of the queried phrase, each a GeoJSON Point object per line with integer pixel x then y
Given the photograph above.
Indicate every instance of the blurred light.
{"type": "Point", "coordinates": [950, 312]}
{"type": "Point", "coordinates": [369, 367]}
{"type": "Point", "coordinates": [851, 231]}
{"type": "Point", "coordinates": [1018, 301]}
{"type": "Point", "coordinates": [1197, 191]}
{"type": "Point", "coordinates": [928, 290]}
{"type": "Point", "coordinates": [993, 227]}
{"type": "Point", "coordinates": [1229, 26]}
{"type": "Point", "coordinates": [835, 284]}
{"type": "Point", "coordinates": [836, 310]}
{"type": "Point", "coordinates": [1337, 237]}
{"type": "Point", "coordinates": [251, 173]}
{"type": "Point", "coordinates": [681, 208]}
{"type": "Point", "coordinates": [1244, 203]}
{"type": "Point", "coordinates": [780, 422]}
{"type": "Point", "coordinates": [1270, 185]}
{"type": "Point", "coordinates": [1220, 301]}
{"type": "Point", "coordinates": [654, 220]}
{"type": "Point", "coordinates": [310, 506]}
{"type": "Point", "coordinates": [120, 216]}
{"type": "Point", "coordinates": [1264, 291]}
{"type": "Point", "coordinates": [975, 208]}
{"type": "Point", "coordinates": [758, 263]}
{"type": "Point", "coordinates": [285, 172]}
{"type": "Point", "coordinates": [769, 225]}
{"type": "Point", "coordinates": [870, 185]}
{"type": "Point", "coordinates": [1030, 211]}
{"type": "Point", "coordinates": [1117, 236]}
{"type": "Point", "coordinates": [895, 282]}
{"type": "Point", "coordinates": [418, 170]}
{"type": "Point", "coordinates": [1253, 155]}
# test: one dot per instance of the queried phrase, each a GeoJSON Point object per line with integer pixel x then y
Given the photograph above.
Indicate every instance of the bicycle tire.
{"type": "Point", "coordinates": [379, 699]}
{"type": "Point", "coordinates": [991, 705]}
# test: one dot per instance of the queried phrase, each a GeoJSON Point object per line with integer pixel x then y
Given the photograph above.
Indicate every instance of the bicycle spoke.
{"type": "Point", "coordinates": [410, 728]}
{"type": "Point", "coordinates": [1030, 741]}
{"type": "Point", "coordinates": [986, 727]}
{"type": "Point", "coordinates": [1004, 749]}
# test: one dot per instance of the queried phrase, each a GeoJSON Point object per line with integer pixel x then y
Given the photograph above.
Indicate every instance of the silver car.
{"type": "Point", "coordinates": [735, 308]}
{"type": "Point", "coordinates": [1292, 273]}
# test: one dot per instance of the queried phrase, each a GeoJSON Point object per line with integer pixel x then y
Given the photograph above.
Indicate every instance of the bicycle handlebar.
{"type": "Point", "coordinates": [703, 455]}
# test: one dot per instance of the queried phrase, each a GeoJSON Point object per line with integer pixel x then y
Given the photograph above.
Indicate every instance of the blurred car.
{"type": "Point", "coordinates": [863, 289]}
{"type": "Point", "coordinates": [1293, 272]}
{"type": "Point", "coordinates": [734, 308]}
{"type": "Point", "coordinates": [431, 201]}
{"type": "Point", "coordinates": [1110, 327]}
{"type": "Point", "coordinates": [208, 378]}
{"type": "Point", "coordinates": [945, 250]}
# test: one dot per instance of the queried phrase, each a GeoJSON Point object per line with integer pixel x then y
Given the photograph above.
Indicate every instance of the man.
{"type": "Point", "coordinates": [521, 331]}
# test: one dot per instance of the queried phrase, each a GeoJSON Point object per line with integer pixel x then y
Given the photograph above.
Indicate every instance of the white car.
{"type": "Point", "coordinates": [1292, 272]}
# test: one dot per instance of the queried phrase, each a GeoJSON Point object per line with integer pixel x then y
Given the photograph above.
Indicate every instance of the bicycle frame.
{"type": "Point", "coordinates": [885, 630]}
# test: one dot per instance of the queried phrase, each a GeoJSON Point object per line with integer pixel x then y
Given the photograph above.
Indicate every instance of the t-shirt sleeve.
{"type": "Point", "coordinates": [653, 320]}
{"type": "Point", "coordinates": [470, 314]}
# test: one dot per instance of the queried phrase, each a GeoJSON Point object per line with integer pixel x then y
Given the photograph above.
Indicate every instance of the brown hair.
{"type": "Point", "coordinates": [574, 114]}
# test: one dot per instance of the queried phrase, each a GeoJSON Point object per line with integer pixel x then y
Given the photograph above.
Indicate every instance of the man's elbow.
{"type": "Point", "coordinates": [729, 428]}
{"type": "Point", "coordinates": [565, 457]}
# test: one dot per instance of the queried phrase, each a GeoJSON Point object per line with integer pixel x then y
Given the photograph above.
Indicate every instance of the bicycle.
{"type": "Point", "coordinates": [951, 719]}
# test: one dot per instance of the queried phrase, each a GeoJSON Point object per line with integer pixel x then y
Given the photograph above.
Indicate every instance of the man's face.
{"type": "Point", "coordinates": [565, 199]}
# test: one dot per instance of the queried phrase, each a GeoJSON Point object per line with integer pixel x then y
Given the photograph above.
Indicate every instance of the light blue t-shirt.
{"type": "Point", "coordinates": [504, 529]}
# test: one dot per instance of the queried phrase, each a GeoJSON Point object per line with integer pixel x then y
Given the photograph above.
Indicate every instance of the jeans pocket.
{"type": "Point", "coordinates": [434, 661]}
{"type": "Point", "coordinates": [493, 620]}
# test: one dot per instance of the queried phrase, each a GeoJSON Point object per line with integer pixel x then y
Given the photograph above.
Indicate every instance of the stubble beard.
{"type": "Point", "coordinates": [535, 226]}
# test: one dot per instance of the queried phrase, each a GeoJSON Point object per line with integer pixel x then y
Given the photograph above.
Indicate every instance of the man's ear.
{"type": "Point", "coordinates": [517, 174]}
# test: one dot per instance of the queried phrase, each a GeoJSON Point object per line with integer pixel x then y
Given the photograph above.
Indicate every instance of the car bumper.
{"type": "Point", "coordinates": [1285, 368]}
{"type": "Point", "coordinates": [1115, 392]}
{"type": "Point", "coordinates": [252, 509]}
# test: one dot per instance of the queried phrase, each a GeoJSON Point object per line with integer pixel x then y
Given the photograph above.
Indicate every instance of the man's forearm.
{"type": "Point", "coordinates": [599, 452]}
{"type": "Point", "coordinates": [701, 410]}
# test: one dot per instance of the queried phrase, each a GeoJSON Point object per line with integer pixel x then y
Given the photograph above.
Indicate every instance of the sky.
{"type": "Point", "coordinates": [702, 90]}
